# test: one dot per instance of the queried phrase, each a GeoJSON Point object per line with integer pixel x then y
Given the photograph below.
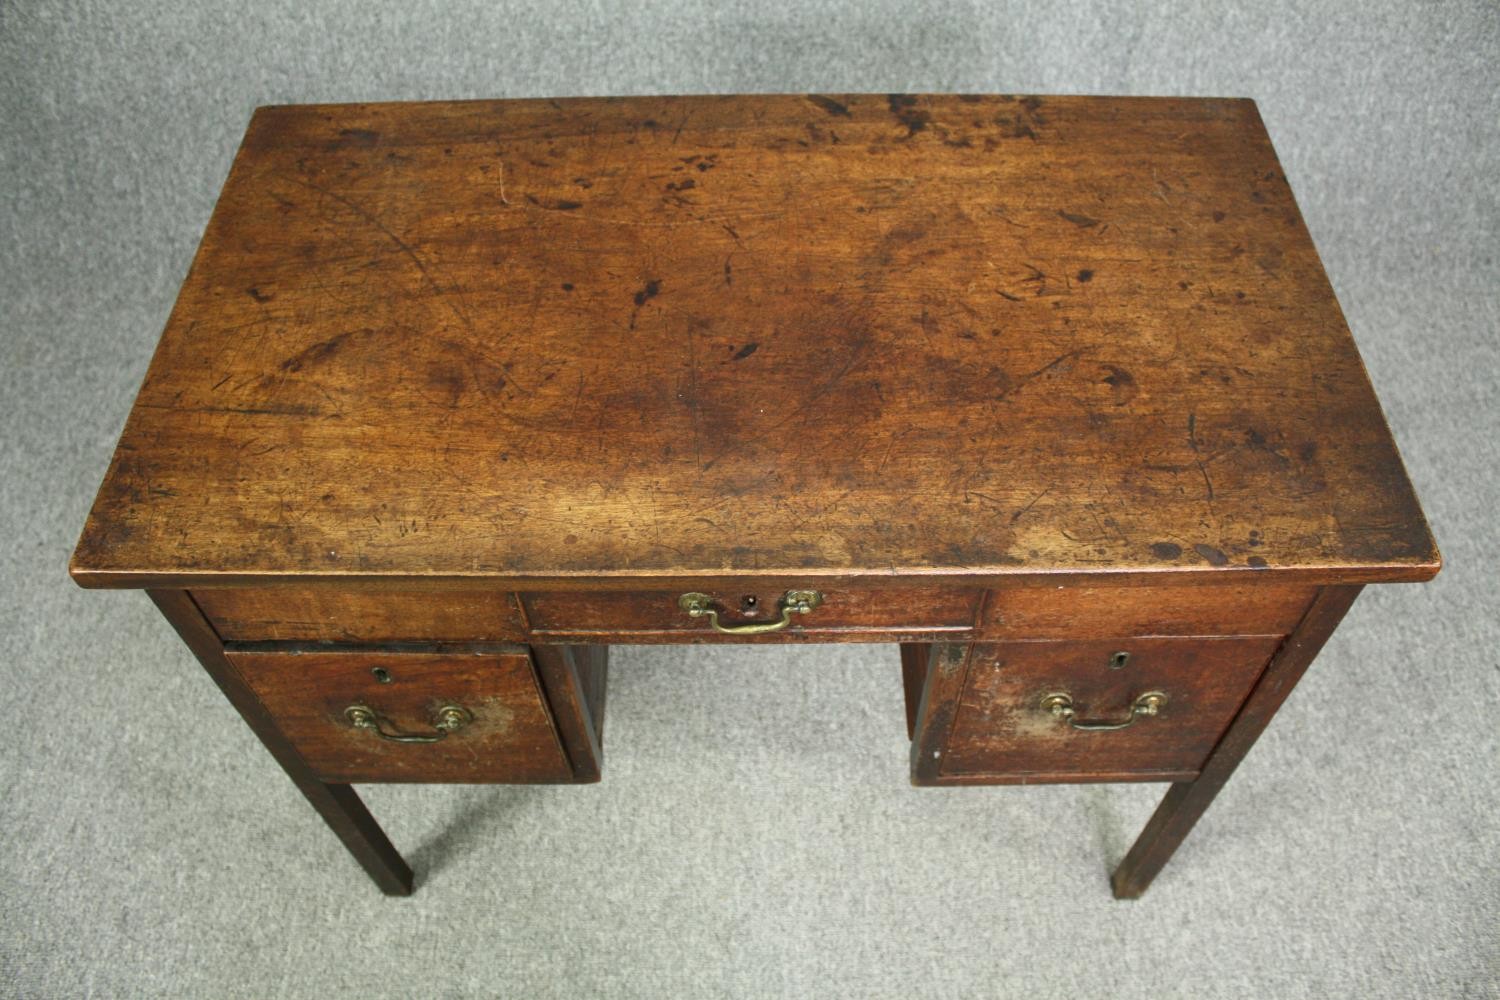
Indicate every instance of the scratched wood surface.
{"type": "Point", "coordinates": [811, 334]}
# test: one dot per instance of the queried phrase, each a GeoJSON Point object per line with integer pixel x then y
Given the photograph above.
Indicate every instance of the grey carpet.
{"type": "Point", "coordinates": [755, 834]}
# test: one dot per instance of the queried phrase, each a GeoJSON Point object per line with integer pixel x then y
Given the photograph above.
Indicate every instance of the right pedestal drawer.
{"type": "Point", "coordinates": [1143, 709]}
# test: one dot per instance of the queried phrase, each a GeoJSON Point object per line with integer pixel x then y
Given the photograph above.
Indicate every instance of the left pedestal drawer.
{"type": "Point", "coordinates": [410, 716]}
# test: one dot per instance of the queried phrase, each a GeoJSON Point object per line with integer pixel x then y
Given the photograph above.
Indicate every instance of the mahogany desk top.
{"type": "Point", "coordinates": [1053, 392]}
{"type": "Point", "coordinates": [820, 336]}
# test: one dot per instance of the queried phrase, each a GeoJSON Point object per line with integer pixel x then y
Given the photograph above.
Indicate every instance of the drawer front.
{"type": "Point", "coordinates": [1038, 711]}
{"type": "Point", "coordinates": [504, 731]}
{"type": "Point", "coordinates": [641, 615]}
{"type": "Point", "coordinates": [341, 615]}
{"type": "Point", "coordinates": [1087, 612]}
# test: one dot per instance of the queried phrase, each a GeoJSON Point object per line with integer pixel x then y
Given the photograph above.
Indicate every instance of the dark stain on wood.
{"type": "Point", "coordinates": [555, 204]}
{"type": "Point", "coordinates": [320, 351]}
{"type": "Point", "coordinates": [648, 292]}
{"type": "Point", "coordinates": [904, 108]}
{"type": "Point", "coordinates": [1214, 556]}
{"type": "Point", "coordinates": [829, 105]}
{"type": "Point", "coordinates": [1122, 383]}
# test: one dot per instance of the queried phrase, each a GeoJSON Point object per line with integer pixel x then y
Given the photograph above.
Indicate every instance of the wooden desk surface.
{"type": "Point", "coordinates": [823, 336]}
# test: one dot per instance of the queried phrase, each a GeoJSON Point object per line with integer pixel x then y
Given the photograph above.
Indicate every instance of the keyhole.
{"type": "Point", "coordinates": [747, 603]}
{"type": "Point", "coordinates": [1119, 660]}
{"type": "Point", "coordinates": [382, 675]}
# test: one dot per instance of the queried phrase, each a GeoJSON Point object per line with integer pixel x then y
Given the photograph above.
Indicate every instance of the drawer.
{"type": "Point", "coordinates": [1082, 711]}
{"type": "Point", "coordinates": [356, 717]}
{"type": "Point", "coordinates": [643, 615]}
{"type": "Point", "coordinates": [1090, 612]}
{"type": "Point", "coordinates": [343, 615]}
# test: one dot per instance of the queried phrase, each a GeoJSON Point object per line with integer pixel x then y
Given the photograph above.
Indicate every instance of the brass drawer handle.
{"type": "Point", "coordinates": [450, 719]}
{"type": "Point", "coordinates": [793, 602]}
{"type": "Point", "coordinates": [1061, 706]}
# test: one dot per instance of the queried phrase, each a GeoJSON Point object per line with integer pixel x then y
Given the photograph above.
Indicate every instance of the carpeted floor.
{"type": "Point", "coordinates": [755, 834]}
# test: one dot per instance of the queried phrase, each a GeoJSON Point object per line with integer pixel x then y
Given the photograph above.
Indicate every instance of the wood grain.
{"type": "Point", "coordinates": [1085, 612]}
{"type": "Point", "coordinates": [823, 335]}
{"type": "Point", "coordinates": [573, 680]}
{"type": "Point", "coordinates": [947, 667]}
{"type": "Point", "coordinates": [915, 657]}
{"type": "Point", "coordinates": [320, 613]}
{"type": "Point", "coordinates": [1001, 734]}
{"type": "Point", "coordinates": [511, 737]}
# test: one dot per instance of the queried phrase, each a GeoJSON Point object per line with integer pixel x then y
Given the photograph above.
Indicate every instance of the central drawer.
{"type": "Point", "coordinates": [751, 611]}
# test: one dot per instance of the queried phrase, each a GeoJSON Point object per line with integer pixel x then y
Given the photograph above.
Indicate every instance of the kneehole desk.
{"type": "Point", "coordinates": [1051, 393]}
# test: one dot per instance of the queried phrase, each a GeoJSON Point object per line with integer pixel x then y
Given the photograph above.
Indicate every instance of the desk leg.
{"type": "Point", "coordinates": [1187, 800]}
{"type": "Point", "coordinates": [339, 806]}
